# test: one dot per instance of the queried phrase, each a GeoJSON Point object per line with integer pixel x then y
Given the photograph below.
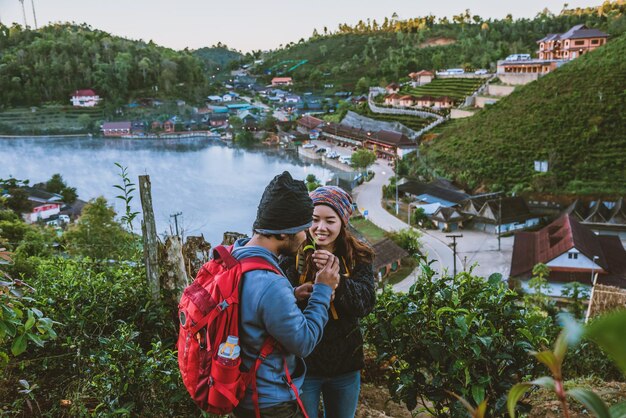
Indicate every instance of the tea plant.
{"type": "Point", "coordinates": [464, 334]}
{"type": "Point", "coordinates": [607, 331]}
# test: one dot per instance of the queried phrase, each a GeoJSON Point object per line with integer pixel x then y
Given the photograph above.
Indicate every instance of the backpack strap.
{"type": "Point", "coordinates": [268, 347]}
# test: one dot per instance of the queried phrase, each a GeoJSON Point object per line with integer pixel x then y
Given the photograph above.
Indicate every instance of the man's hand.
{"type": "Point", "coordinates": [303, 292]}
{"type": "Point", "coordinates": [321, 257]}
{"type": "Point", "coordinates": [329, 274]}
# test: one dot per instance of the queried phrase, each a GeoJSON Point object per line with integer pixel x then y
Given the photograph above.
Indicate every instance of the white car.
{"type": "Point", "coordinates": [309, 146]}
{"type": "Point", "coordinates": [480, 72]}
{"type": "Point", "coordinates": [346, 159]}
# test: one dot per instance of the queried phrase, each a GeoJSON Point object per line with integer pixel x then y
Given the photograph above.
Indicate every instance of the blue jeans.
{"type": "Point", "coordinates": [339, 393]}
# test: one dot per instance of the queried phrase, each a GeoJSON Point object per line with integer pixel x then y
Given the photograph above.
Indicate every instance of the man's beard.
{"type": "Point", "coordinates": [291, 246]}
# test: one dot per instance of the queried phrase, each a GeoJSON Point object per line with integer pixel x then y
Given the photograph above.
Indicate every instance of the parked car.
{"type": "Point", "coordinates": [480, 72]}
{"type": "Point", "coordinates": [346, 159]}
{"type": "Point", "coordinates": [332, 154]}
{"type": "Point", "coordinates": [320, 150]}
{"type": "Point", "coordinates": [309, 145]}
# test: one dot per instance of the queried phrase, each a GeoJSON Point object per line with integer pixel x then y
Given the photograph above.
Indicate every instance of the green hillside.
{"type": "Point", "coordinates": [575, 118]}
{"type": "Point", "coordinates": [217, 57]}
{"type": "Point", "coordinates": [48, 64]}
{"type": "Point", "coordinates": [369, 53]}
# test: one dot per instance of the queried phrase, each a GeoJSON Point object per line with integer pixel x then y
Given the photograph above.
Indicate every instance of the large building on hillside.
{"type": "Point", "coordinates": [554, 50]}
{"type": "Point", "coordinates": [571, 44]}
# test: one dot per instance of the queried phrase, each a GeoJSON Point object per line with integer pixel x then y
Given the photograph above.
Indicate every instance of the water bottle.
{"type": "Point", "coordinates": [228, 353]}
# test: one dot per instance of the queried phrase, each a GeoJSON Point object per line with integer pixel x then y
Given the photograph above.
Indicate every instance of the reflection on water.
{"type": "Point", "coordinates": [216, 187]}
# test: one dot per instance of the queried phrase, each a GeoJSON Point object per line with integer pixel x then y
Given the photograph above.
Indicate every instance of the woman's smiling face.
{"type": "Point", "coordinates": [326, 227]}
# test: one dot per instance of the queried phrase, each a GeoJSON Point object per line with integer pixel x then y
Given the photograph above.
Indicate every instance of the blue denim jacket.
{"type": "Point", "coordinates": [268, 307]}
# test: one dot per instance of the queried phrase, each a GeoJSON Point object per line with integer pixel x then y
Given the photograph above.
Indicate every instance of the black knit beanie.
{"type": "Point", "coordinates": [285, 207]}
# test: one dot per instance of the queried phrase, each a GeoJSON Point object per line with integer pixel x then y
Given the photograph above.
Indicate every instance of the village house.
{"type": "Point", "coordinates": [43, 205]}
{"type": "Point", "coordinates": [406, 101]}
{"type": "Point", "coordinates": [138, 127]}
{"type": "Point", "coordinates": [502, 215]}
{"type": "Point", "coordinates": [421, 77]}
{"type": "Point", "coordinates": [448, 219]}
{"type": "Point", "coordinates": [569, 45]}
{"type": "Point", "coordinates": [572, 252]}
{"type": "Point", "coordinates": [282, 81]}
{"type": "Point", "coordinates": [443, 102]}
{"type": "Point", "coordinates": [84, 98]}
{"type": "Point", "coordinates": [439, 200]}
{"type": "Point", "coordinates": [389, 144]}
{"type": "Point", "coordinates": [217, 120]}
{"type": "Point", "coordinates": [602, 216]}
{"type": "Point", "coordinates": [114, 129]}
{"type": "Point", "coordinates": [169, 126]}
{"type": "Point", "coordinates": [307, 123]}
{"type": "Point", "coordinates": [392, 88]}
{"type": "Point", "coordinates": [388, 256]}
{"type": "Point", "coordinates": [393, 99]}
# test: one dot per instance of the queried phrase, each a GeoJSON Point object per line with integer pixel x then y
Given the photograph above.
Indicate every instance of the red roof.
{"type": "Point", "coordinates": [310, 122]}
{"type": "Point", "coordinates": [281, 79]}
{"type": "Point", "coordinates": [82, 93]}
{"type": "Point", "coordinates": [565, 233]}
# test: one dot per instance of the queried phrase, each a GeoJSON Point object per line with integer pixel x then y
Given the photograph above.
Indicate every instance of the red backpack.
{"type": "Point", "coordinates": [209, 312]}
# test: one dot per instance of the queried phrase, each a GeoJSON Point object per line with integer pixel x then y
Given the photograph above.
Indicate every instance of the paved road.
{"type": "Point", "coordinates": [368, 197]}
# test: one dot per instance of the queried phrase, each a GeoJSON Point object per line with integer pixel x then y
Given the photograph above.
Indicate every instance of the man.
{"type": "Point", "coordinates": [268, 305]}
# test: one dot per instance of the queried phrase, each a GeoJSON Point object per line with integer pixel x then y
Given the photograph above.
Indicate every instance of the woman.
{"type": "Point", "coordinates": [333, 369]}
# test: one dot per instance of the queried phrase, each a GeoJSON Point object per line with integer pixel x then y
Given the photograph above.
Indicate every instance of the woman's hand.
{"type": "Point", "coordinates": [329, 274]}
{"type": "Point", "coordinates": [321, 257]}
{"type": "Point", "coordinates": [303, 292]}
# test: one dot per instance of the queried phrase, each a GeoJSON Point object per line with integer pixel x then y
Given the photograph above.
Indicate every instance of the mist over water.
{"type": "Point", "coordinates": [217, 188]}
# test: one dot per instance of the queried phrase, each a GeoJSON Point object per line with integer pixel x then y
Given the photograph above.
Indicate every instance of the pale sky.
{"type": "Point", "coordinates": [250, 24]}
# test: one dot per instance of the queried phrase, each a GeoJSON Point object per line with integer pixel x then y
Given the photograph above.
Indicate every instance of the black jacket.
{"type": "Point", "coordinates": [341, 348]}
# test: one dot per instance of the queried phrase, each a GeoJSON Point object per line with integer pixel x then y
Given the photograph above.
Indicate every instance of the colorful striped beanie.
{"type": "Point", "coordinates": [335, 197]}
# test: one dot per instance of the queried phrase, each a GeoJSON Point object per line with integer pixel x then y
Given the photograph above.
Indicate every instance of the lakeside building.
{"type": "Point", "coordinates": [386, 144]}
{"type": "Point", "coordinates": [84, 98]}
{"type": "Point", "coordinates": [572, 252]}
{"type": "Point", "coordinates": [114, 129]}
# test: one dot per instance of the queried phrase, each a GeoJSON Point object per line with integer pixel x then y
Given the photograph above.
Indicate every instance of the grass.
{"type": "Point", "coordinates": [48, 119]}
{"type": "Point", "coordinates": [456, 88]}
{"type": "Point", "coordinates": [370, 231]}
{"type": "Point", "coordinates": [411, 122]}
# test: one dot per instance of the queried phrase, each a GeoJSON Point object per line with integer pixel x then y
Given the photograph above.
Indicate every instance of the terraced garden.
{"type": "Point", "coordinates": [411, 122]}
{"type": "Point", "coordinates": [456, 88]}
{"type": "Point", "coordinates": [49, 120]}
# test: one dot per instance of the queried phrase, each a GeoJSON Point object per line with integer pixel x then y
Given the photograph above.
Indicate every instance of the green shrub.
{"type": "Point", "coordinates": [466, 335]}
{"type": "Point", "coordinates": [112, 355]}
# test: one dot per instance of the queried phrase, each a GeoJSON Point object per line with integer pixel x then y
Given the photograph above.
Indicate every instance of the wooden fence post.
{"type": "Point", "coordinates": [150, 239]}
{"type": "Point", "coordinates": [174, 279]}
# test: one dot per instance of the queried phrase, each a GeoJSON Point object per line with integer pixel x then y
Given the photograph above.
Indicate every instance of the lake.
{"type": "Point", "coordinates": [216, 187]}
